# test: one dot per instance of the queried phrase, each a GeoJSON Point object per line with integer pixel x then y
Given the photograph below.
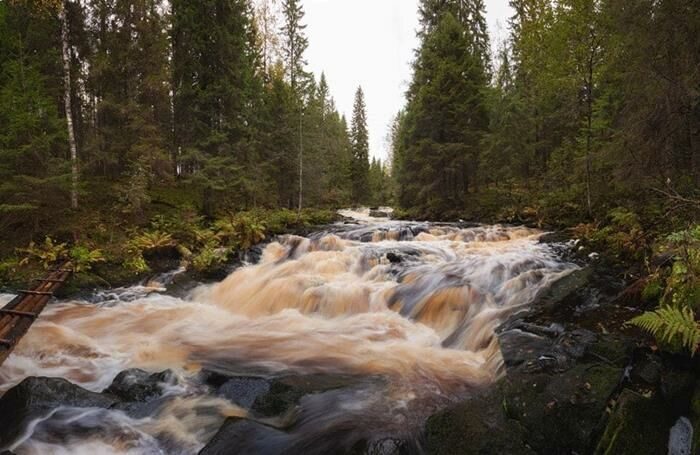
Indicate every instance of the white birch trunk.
{"type": "Point", "coordinates": [68, 107]}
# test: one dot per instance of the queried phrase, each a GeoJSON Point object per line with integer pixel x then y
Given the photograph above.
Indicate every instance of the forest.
{"type": "Point", "coordinates": [174, 149]}
{"type": "Point", "coordinates": [122, 116]}
{"type": "Point", "coordinates": [118, 111]}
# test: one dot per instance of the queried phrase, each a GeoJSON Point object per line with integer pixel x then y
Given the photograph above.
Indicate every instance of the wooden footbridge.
{"type": "Point", "coordinates": [17, 316]}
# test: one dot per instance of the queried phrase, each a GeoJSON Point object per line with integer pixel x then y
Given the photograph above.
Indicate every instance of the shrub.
{"type": "Point", "coordinates": [83, 258]}
{"type": "Point", "coordinates": [154, 240]}
{"type": "Point", "coordinates": [678, 290]}
{"type": "Point", "coordinates": [623, 236]}
{"type": "Point", "coordinates": [47, 253]}
{"type": "Point", "coordinates": [209, 257]}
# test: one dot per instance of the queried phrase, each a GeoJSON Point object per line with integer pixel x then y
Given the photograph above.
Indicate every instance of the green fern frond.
{"type": "Point", "coordinates": [672, 325]}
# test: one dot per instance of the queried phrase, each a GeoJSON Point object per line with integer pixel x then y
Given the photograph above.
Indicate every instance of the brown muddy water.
{"type": "Point", "coordinates": [409, 309]}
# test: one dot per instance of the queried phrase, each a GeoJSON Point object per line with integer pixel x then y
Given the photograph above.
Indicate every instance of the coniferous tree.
{"type": "Point", "coordinates": [359, 136]}
{"type": "Point", "coordinates": [295, 42]}
{"type": "Point", "coordinates": [34, 165]}
{"type": "Point", "coordinates": [215, 86]}
{"type": "Point", "coordinates": [445, 120]}
{"type": "Point", "coordinates": [294, 45]}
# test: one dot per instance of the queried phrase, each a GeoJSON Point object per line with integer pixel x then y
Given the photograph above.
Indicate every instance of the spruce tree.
{"type": "Point", "coordinates": [216, 89]}
{"type": "Point", "coordinates": [34, 163]}
{"type": "Point", "coordinates": [445, 120]}
{"type": "Point", "coordinates": [294, 43]}
{"type": "Point", "coordinates": [359, 137]}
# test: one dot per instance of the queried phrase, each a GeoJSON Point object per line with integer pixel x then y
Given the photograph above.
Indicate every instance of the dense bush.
{"type": "Point", "coordinates": [675, 284]}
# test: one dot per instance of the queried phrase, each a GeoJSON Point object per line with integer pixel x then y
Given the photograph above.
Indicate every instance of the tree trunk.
{"type": "Point", "coordinates": [589, 134]}
{"type": "Point", "coordinates": [301, 160]}
{"type": "Point", "coordinates": [68, 107]}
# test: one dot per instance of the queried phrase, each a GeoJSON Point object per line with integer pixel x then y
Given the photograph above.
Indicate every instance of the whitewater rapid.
{"type": "Point", "coordinates": [412, 307]}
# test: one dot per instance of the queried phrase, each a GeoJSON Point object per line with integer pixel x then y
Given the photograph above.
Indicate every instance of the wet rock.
{"type": "Point", "coordinates": [560, 413]}
{"type": "Point", "coordinates": [243, 391]}
{"type": "Point", "coordinates": [477, 425]}
{"type": "Point", "coordinates": [163, 258]}
{"type": "Point", "coordinates": [528, 412]}
{"type": "Point", "coordinates": [384, 446]}
{"type": "Point", "coordinates": [285, 393]}
{"type": "Point", "coordinates": [378, 214]}
{"type": "Point", "coordinates": [142, 409]}
{"type": "Point", "coordinates": [695, 417]}
{"type": "Point", "coordinates": [555, 237]}
{"type": "Point", "coordinates": [637, 425]}
{"type": "Point", "coordinates": [35, 397]}
{"type": "Point", "coordinates": [138, 385]}
{"type": "Point", "coordinates": [242, 436]}
{"type": "Point", "coordinates": [394, 258]}
{"type": "Point", "coordinates": [520, 346]}
{"type": "Point", "coordinates": [677, 388]}
{"type": "Point", "coordinates": [563, 293]}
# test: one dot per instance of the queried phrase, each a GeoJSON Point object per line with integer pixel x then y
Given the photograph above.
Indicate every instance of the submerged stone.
{"type": "Point", "coordinates": [243, 391]}
{"type": "Point", "coordinates": [139, 385]}
{"type": "Point", "coordinates": [285, 393]}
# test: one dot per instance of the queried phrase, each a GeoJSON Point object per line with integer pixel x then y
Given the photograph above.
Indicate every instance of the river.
{"type": "Point", "coordinates": [408, 310]}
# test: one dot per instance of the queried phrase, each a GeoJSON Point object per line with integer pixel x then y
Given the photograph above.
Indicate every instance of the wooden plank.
{"type": "Point", "coordinates": [29, 292]}
{"type": "Point", "coordinates": [19, 314]}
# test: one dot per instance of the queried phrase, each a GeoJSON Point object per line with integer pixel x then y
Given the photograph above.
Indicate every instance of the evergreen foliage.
{"type": "Point", "coordinates": [196, 97]}
{"type": "Point", "coordinates": [439, 138]}
{"type": "Point", "coordinates": [359, 138]}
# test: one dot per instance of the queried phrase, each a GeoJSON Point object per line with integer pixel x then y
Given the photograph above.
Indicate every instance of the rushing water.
{"type": "Point", "coordinates": [410, 307]}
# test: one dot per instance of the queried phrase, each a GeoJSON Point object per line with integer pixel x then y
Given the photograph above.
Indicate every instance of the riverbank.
{"type": "Point", "coordinates": [578, 379]}
{"type": "Point", "coordinates": [115, 254]}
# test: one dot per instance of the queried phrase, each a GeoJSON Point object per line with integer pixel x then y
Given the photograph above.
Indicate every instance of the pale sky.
{"type": "Point", "coordinates": [371, 43]}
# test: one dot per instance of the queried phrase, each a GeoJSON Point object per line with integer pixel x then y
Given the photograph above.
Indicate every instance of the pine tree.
{"type": "Point", "coordinates": [359, 137]}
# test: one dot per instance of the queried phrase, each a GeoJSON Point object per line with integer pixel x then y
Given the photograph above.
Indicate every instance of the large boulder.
{"type": "Point", "coordinates": [36, 397]}
{"type": "Point", "coordinates": [526, 412]}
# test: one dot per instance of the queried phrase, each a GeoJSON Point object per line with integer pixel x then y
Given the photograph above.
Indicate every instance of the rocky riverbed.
{"type": "Point", "coordinates": [367, 338]}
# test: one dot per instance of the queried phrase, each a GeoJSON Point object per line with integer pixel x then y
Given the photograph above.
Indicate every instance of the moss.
{"type": "Point", "coordinates": [637, 425]}
{"type": "Point", "coordinates": [477, 425]}
{"type": "Point", "coordinates": [561, 413]}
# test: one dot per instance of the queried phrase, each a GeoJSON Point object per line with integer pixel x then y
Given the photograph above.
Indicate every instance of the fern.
{"type": "Point", "coordinates": [674, 326]}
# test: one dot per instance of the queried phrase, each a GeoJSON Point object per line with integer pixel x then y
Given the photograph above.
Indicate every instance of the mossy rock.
{"type": "Point", "coordinates": [478, 425]}
{"type": "Point", "coordinates": [637, 425]}
{"type": "Point", "coordinates": [561, 413]}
